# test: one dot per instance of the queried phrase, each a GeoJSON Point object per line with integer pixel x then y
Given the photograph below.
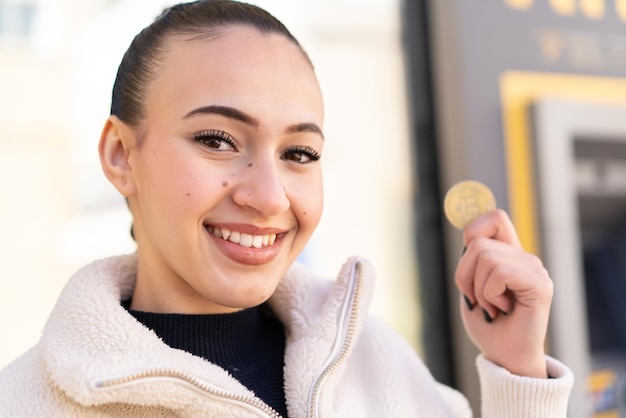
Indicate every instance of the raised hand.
{"type": "Point", "coordinates": [505, 295]}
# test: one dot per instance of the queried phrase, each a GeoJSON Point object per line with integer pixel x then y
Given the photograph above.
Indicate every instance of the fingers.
{"type": "Point", "coordinates": [495, 272]}
{"type": "Point", "coordinates": [494, 224]}
{"type": "Point", "coordinates": [498, 277]}
{"type": "Point", "coordinates": [484, 272]}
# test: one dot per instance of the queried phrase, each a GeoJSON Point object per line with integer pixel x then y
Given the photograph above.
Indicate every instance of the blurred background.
{"type": "Point", "coordinates": [528, 96]}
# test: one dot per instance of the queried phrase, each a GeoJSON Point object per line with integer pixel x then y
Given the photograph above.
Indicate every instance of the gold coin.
{"type": "Point", "coordinates": [467, 200]}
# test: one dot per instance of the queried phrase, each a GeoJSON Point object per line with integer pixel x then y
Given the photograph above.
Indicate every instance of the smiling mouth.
{"type": "Point", "coordinates": [242, 239]}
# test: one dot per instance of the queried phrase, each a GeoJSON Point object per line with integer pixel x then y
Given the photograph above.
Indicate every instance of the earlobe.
{"type": "Point", "coordinates": [114, 148]}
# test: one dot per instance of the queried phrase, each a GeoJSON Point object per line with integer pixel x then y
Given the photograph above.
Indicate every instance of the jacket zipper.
{"type": "Point", "coordinates": [195, 382]}
{"type": "Point", "coordinates": [345, 333]}
{"type": "Point", "coordinates": [346, 330]}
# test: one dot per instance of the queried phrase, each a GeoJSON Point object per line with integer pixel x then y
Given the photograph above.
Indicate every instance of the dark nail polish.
{"type": "Point", "coordinates": [487, 317]}
{"type": "Point", "coordinates": [469, 304]}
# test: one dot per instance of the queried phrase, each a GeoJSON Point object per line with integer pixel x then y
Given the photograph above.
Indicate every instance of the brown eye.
{"type": "Point", "coordinates": [216, 140]}
{"type": "Point", "coordinates": [301, 155]}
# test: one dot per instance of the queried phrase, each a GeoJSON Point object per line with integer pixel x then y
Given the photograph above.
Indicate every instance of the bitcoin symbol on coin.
{"type": "Point", "coordinates": [467, 200]}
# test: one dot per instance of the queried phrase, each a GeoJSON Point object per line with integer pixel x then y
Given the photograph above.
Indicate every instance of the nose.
{"type": "Point", "coordinates": [261, 189]}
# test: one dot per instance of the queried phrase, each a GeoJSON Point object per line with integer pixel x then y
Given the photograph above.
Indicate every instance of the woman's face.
{"type": "Point", "coordinates": [227, 182]}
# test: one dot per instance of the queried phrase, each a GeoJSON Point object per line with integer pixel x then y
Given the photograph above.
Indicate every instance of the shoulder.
{"type": "Point", "coordinates": [385, 345]}
{"type": "Point", "coordinates": [20, 372]}
{"type": "Point", "coordinates": [24, 389]}
{"type": "Point", "coordinates": [397, 377]}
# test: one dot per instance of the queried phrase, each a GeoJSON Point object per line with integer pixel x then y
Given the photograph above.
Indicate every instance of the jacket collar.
{"type": "Point", "coordinates": [323, 320]}
{"type": "Point", "coordinates": [90, 339]}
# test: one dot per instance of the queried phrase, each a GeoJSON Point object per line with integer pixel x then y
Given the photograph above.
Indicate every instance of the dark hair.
{"type": "Point", "coordinates": [200, 18]}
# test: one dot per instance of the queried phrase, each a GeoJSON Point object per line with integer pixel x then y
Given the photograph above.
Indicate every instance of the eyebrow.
{"type": "Point", "coordinates": [238, 115]}
{"type": "Point", "coordinates": [305, 127]}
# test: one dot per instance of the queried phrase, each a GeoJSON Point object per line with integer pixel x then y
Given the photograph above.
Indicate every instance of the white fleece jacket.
{"type": "Point", "coordinates": [96, 360]}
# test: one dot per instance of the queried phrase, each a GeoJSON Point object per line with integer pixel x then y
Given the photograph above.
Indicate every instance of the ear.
{"type": "Point", "coordinates": [116, 142]}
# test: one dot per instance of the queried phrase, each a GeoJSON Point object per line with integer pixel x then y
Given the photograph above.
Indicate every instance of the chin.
{"type": "Point", "coordinates": [250, 299]}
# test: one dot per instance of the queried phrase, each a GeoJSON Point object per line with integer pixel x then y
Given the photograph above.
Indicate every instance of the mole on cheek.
{"type": "Point", "coordinates": [188, 194]}
{"type": "Point", "coordinates": [225, 184]}
{"type": "Point", "coordinates": [249, 164]}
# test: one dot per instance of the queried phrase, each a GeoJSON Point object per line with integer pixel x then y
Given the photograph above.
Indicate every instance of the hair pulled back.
{"type": "Point", "coordinates": [200, 18]}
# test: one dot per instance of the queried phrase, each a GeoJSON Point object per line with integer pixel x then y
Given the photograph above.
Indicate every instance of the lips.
{"type": "Point", "coordinates": [244, 247]}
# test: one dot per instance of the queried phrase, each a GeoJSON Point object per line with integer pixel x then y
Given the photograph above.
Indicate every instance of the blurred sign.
{"type": "Point", "coordinates": [492, 61]}
{"type": "Point", "coordinates": [545, 40]}
{"type": "Point", "coordinates": [604, 396]}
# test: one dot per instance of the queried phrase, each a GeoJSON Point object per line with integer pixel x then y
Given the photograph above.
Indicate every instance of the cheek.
{"type": "Point", "coordinates": [184, 185]}
{"type": "Point", "coordinates": [307, 203]}
{"type": "Point", "coordinates": [197, 192]}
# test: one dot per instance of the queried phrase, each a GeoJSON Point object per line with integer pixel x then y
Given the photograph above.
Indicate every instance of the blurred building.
{"type": "Point", "coordinates": [529, 97]}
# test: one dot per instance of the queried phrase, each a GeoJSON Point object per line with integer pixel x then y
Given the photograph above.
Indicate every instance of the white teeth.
{"type": "Point", "coordinates": [245, 240]}
{"type": "Point", "coordinates": [235, 237]}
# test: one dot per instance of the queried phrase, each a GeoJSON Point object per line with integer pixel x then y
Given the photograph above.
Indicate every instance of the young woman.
{"type": "Point", "coordinates": [214, 139]}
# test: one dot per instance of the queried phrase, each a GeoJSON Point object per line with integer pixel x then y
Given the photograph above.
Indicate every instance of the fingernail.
{"type": "Point", "coordinates": [487, 317]}
{"type": "Point", "coordinates": [469, 303]}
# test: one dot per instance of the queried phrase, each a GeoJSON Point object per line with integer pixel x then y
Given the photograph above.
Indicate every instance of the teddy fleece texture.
{"type": "Point", "coordinates": [95, 360]}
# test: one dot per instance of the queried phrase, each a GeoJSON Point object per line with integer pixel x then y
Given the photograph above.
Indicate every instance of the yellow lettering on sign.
{"type": "Point", "coordinates": [564, 7]}
{"type": "Point", "coordinates": [520, 4]}
{"type": "Point", "coordinates": [593, 9]}
{"type": "Point", "coordinates": [620, 8]}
